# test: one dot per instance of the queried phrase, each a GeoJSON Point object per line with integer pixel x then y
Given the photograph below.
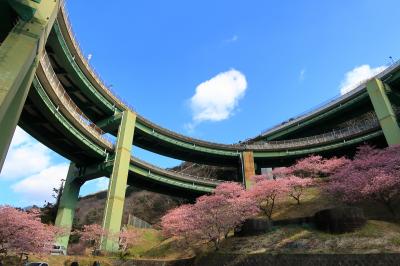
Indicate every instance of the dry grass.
{"type": "Point", "coordinates": [374, 237]}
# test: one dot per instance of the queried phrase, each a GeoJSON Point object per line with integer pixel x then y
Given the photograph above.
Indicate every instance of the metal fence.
{"type": "Point", "coordinates": [360, 127]}
{"type": "Point", "coordinates": [137, 222]}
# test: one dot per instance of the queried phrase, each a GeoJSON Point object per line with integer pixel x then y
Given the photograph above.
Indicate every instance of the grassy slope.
{"type": "Point", "coordinates": [375, 236]}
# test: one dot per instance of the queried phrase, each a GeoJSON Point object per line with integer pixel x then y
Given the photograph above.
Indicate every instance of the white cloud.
{"type": "Point", "coordinates": [216, 98]}
{"type": "Point", "coordinates": [38, 188]}
{"type": "Point", "coordinates": [234, 38]}
{"type": "Point", "coordinates": [26, 156]}
{"type": "Point", "coordinates": [302, 74]}
{"type": "Point", "coordinates": [357, 75]}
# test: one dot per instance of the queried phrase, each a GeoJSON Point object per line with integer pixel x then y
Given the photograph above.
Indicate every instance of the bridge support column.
{"type": "Point", "coordinates": [12, 113]}
{"type": "Point", "coordinates": [248, 167]}
{"type": "Point", "coordinates": [66, 209]}
{"type": "Point", "coordinates": [118, 180]}
{"type": "Point", "coordinates": [384, 111]}
{"type": "Point", "coordinates": [23, 44]}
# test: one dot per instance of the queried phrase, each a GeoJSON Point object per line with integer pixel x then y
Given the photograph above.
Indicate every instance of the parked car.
{"type": "Point", "coordinates": [58, 250]}
{"type": "Point", "coordinates": [37, 264]}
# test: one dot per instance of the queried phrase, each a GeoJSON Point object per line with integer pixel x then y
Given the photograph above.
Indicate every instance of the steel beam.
{"type": "Point", "coordinates": [66, 209]}
{"type": "Point", "coordinates": [118, 181]}
{"type": "Point", "coordinates": [384, 111]}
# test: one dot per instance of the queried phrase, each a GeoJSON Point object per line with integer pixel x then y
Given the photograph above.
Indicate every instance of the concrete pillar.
{"type": "Point", "coordinates": [384, 111]}
{"type": "Point", "coordinates": [24, 43]}
{"type": "Point", "coordinates": [248, 167]}
{"type": "Point", "coordinates": [66, 209]}
{"type": "Point", "coordinates": [12, 112]}
{"type": "Point", "coordinates": [118, 180]}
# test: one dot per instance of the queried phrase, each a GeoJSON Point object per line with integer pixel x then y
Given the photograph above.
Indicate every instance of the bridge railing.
{"type": "Point", "coordinates": [360, 127]}
{"type": "Point", "coordinates": [111, 93]}
{"type": "Point", "coordinates": [331, 102]}
{"type": "Point", "coordinates": [70, 105]}
{"type": "Point", "coordinates": [182, 176]}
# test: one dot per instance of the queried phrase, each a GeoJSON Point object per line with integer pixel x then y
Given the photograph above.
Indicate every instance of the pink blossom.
{"type": "Point", "coordinates": [127, 238]}
{"type": "Point", "coordinates": [296, 186]}
{"type": "Point", "coordinates": [212, 217]}
{"type": "Point", "coordinates": [266, 192]}
{"type": "Point", "coordinates": [22, 231]}
{"type": "Point", "coordinates": [372, 174]}
{"type": "Point", "coordinates": [280, 172]}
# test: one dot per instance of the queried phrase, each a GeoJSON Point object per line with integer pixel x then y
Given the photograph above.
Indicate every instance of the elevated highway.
{"type": "Point", "coordinates": [50, 90]}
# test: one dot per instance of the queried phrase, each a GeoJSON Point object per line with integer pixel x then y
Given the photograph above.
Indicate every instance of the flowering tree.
{"type": "Point", "coordinates": [127, 238]}
{"type": "Point", "coordinates": [310, 166]}
{"type": "Point", "coordinates": [280, 172]}
{"type": "Point", "coordinates": [266, 192]}
{"type": "Point", "coordinates": [296, 186]}
{"type": "Point", "coordinates": [212, 217]}
{"type": "Point", "coordinates": [22, 231]}
{"type": "Point", "coordinates": [372, 174]}
{"type": "Point", "coordinates": [92, 235]}
{"type": "Point", "coordinates": [330, 166]}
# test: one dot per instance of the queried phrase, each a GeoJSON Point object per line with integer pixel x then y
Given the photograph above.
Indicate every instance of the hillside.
{"type": "Point", "coordinates": [146, 205]}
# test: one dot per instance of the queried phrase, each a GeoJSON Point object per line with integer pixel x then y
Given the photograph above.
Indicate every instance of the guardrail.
{"type": "Point", "coordinates": [185, 177]}
{"type": "Point", "coordinates": [70, 105]}
{"type": "Point", "coordinates": [360, 127]}
{"type": "Point", "coordinates": [111, 93]}
{"type": "Point", "coordinates": [331, 102]}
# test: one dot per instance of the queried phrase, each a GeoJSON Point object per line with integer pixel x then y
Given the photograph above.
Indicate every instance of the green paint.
{"type": "Point", "coordinates": [66, 210]}
{"type": "Point", "coordinates": [324, 148]}
{"type": "Point", "coordinates": [68, 127]}
{"type": "Point", "coordinates": [9, 121]}
{"type": "Point", "coordinates": [24, 9]}
{"type": "Point", "coordinates": [17, 65]}
{"type": "Point", "coordinates": [314, 119]}
{"type": "Point", "coordinates": [118, 181]}
{"type": "Point", "coordinates": [85, 85]}
{"type": "Point", "coordinates": [384, 111]}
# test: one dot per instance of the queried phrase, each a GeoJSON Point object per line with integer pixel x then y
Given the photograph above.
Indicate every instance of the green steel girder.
{"type": "Point", "coordinates": [146, 173]}
{"type": "Point", "coordinates": [185, 145]}
{"type": "Point", "coordinates": [86, 86]}
{"type": "Point", "coordinates": [110, 124]}
{"type": "Point", "coordinates": [26, 9]}
{"type": "Point", "coordinates": [314, 119]}
{"type": "Point", "coordinates": [69, 127]}
{"type": "Point", "coordinates": [304, 152]}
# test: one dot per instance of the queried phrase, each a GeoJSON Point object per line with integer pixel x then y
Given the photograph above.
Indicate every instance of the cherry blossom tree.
{"type": "Point", "coordinates": [280, 172]}
{"type": "Point", "coordinates": [310, 166]}
{"type": "Point", "coordinates": [212, 217]}
{"type": "Point", "coordinates": [266, 192]}
{"type": "Point", "coordinates": [296, 186]}
{"type": "Point", "coordinates": [372, 174]}
{"type": "Point", "coordinates": [128, 237]}
{"type": "Point", "coordinates": [332, 165]}
{"type": "Point", "coordinates": [92, 234]}
{"type": "Point", "coordinates": [22, 231]}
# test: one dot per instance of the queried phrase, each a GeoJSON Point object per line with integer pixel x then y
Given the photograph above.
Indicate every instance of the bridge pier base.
{"type": "Point", "coordinates": [384, 111]}
{"type": "Point", "coordinates": [69, 199]}
{"type": "Point", "coordinates": [118, 181]}
{"type": "Point", "coordinates": [248, 167]}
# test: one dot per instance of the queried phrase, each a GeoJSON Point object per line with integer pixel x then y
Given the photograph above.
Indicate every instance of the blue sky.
{"type": "Point", "coordinates": [216, 70]}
